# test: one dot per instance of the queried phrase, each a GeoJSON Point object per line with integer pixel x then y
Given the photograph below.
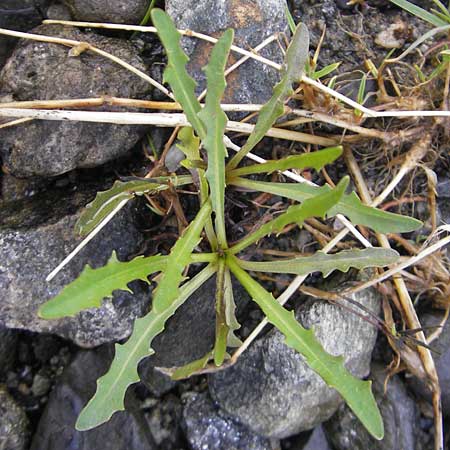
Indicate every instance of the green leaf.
{"type": "Point", "coordinates": [107, 201]}
{"type": "Point", "coordinates": [325, 71]}
{"type": "Point", "coordinates": [350, 205]}
{"type": "Point", "coordinates": [295, 59]}
{"type": "Point", "coordinates": [316, 160]}
{"type": "Point", "coordinates": [181, 373]}
{"type": "Point", "coordinates": [93, 285]}
{"type": "Point", "coordinates": [420, 12]}
{"type": "Point", "coordinates": [230, 312]}
{"type": "Point", "coordinates": [290, 19]}
{"type": "Point", "coordinates": [189, 143]}
{"type": "Point", "coordinates": [316, 206]}
{"type": "Point", "coordinates": [168, 297]}
{"type": "Point", "coordinates": [326, 263]}
{"type": "Point", "coordinates": [357, 393]}
{"type": "Point", "coordinates": [215, 120]}
{"type": "Point", "coordinates": [182, 84]}
{"type": "Point", "coordinates": [220, 344]}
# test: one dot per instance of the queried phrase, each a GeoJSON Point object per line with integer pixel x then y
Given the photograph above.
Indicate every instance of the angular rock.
{"type": "Point", "coordinates": [112, 11]}
{"type": "Point", "coordinates": [317, 440]}
{"type": "Point", "coordinates": [207, 427]}
{"type": "Point", "coordinates": [441, 358]}
{"type": "Point", "coordinates": [188, 336]}
{"type": "Point", "coordinates": [253, 21]}
{"type": "Point", "coordinates": [37, 234]}
{"type": "Point", "coordinates": [274, 392]}
{"type": "Point", "coordinates": [41, 71]}
{"type": "Point", "coordinates": [400, 417]}
{"type": "Point", "coordinates": [56, 430]}
{"type": "Point", "coordinates": [14, 433]}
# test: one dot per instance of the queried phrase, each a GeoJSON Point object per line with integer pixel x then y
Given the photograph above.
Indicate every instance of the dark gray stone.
{"type": "Point", "coordinates": [441, 358]}
{"type": "Point", "coordinates": [14, 433]}
{"type": "Point", "coordinates": [188, 336]}
{"type": "Point", "coordinates": [274, 392]}
{"type": "Point", "coordinates": [56, 430]}
{"type": "Point", "coordinates": [37, 70]}
{"type": "Point", "coordinates": [17, 15]}
{"type": "Point", "coordinates": [208, 428]}
{"type": "Point", "coordinates": [8, 349]}
{"type": "Point", "coordinates": [400, 416]}
{"type": "Point", "coordinates": [113, 11]}
{"type": "Point", "coordinates": [253, 21]}
{"type": "Point", "coordinates": [35, 236]}
{"type": "Point", "coordinates": [317, 440]}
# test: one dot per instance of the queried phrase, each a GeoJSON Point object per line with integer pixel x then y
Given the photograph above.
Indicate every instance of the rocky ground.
{"type": "Point", "coordinates": [270, 399]}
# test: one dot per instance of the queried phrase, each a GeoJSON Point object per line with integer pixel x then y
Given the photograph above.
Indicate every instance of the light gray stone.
{"type": "Point", "coordinates": [208, 428]}
{"type": "Point", "coordinates": [253, 21]}
{"type": "Point", "coordinates": [35, 236]}
{"type": "Point", "coordinates": [274, 392]}
{"type": "Point", "coordinates": [14, 433]}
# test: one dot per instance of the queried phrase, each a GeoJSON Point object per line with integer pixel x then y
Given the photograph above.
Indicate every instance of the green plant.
{"type": "Point", "coordinates": [207, 130]}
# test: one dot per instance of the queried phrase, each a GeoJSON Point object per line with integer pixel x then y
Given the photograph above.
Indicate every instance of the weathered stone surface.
{"type": "Point", "coordinates": [41, 71]}
{"type": "Point", "coordinates": [253, 21]}
{"type": "Point", "coordinates": [113, 11]}
{"type": "Point", "coordinates": [317, 440]}
{"type": "Point", "coordinates": [56, 430]}
{"type": "Point", "coordinates": [35, 235]}
{"type": "Point", "coordinates": [273, 391]}
{"type": "Point", "coordinates": [400, 416]}
{"type": "Point", "coordinates": [188, 335]}
{"type": "Point", "coordinates": [14, 432]}
{"type": "Point", "coordinates": [18, 15]}
{"type": "Point", "coordinates": [441, 358]}
{"type": "Point", "coordinates": [208, 428]}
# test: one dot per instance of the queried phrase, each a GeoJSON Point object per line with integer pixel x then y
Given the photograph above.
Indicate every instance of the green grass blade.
{"type": "Point", "coordinates": [93, 285]}
{"type": "Point", "coordinates": [357, 393]}
{"type": "Point", "coordinates": [296, 57]}
{"type": "Point", "coordinates": [326, 263]}
{"type": "Point", "coordinates": [106, 201]}
{"type": "Point", "coordinates": [220, 344]}
{"type": "Point", "coordinates": [316, 206]}
{"type": "Point", "coordinates": [420, 12]}
{"type": "Point", "coordinates": [350, 205]}
{"type": "Point", "coordinates": [325, 71]}
{"type": "Point", "coordinates": [290, 19]}
{"type": "Point", "coordinates": [215, 120]}
{"type": "Point", "coordinates": [168, 297]}
{"type": "Point", "coordinates": [182, 84]}
{"type": "Point", "coordinates": [316, 160]}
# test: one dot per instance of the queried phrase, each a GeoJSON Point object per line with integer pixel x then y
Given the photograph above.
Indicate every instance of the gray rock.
{"type": "Point", "coordinates": [441, 358]}
{"type": "Point", "coordinates": [14, 434]}
{"type": "Point", "coordinates": [188, 335]}
{"type": "Point", "coordinates": [113, 11]}
{"type": "Point", "coordinates": [35, 235]}
{"type": "Point", "coordinates": [400, 416]}
{"type": "Point", "coordinates": [253, 21]}
{"type": "Point", "coordinates": [317, 440]}
{"type": "Point", "coordinates": [56, 430]}
{"type": "Point", "coordinates": [37, 70]}
{"type": "Point", "coordinates": [274, 392]}
{"type": "Point", "coordinates": [18, 15]}
{"type": "Point", "coordinates": [208, 428]}
{"type": "Point", "coordinates": [8, 348]}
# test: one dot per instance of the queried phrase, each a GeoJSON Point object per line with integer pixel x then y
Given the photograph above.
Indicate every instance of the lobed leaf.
{"type": "Point", "coordinates": [106, 202]}
{"type": "Point", "coordinates": [182, 84]}
{"type": "Point", "coordinates": [222, 330]}
{"type": "Point", "coordinates": [189, 143]}
{"type": "Point", "coordinates": [230, 311]}
{"type": "Point", "coordinates": [316, 160]}
{"type": "Point", "coordinates": [168, 297]}
{"type": "Point", "coordinates": [326, 263]}
{"type": "Point", "coordinates": [215, 120]}
{"type": "Point", "coordinates": [316, 206]}
{"type": "Point", "coordinates": [93, 285]}
{"type": "Point", "coordinates": [350, 205]}
{"type": "Point", "coordinates": [357, 393]}
{"type": "Point", "coordinates": [294, 63]}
